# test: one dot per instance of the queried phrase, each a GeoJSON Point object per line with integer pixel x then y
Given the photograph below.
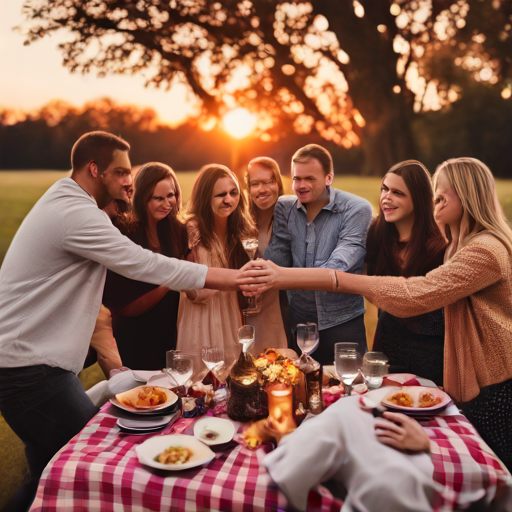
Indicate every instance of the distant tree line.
{"type": "Point", "coordinates": [478, 125]}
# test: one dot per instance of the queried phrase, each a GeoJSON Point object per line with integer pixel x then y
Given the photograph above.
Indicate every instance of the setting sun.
{"type": "Point", "coordinates": [239, 122]}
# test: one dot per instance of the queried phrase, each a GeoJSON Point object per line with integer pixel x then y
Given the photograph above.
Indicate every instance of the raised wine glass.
{"type": "Point", "coordinates": [251, 246]}
{"type": "Point", "coordinates": [347, 362]}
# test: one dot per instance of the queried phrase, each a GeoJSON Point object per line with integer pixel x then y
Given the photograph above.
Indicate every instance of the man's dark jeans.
{"type": "Point", "coordinates": [45, 406]}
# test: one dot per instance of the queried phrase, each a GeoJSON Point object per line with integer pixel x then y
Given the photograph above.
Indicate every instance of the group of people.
{"type": "Point", "coordinates": [437, 260]}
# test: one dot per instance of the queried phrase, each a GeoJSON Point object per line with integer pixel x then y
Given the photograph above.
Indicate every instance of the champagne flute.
{"type": "Point", "coordinates": [347, 362]}
{"type": "Point", "coordinates": [251, 246]}
{"type": "Point", "coordinates": [246, 335]}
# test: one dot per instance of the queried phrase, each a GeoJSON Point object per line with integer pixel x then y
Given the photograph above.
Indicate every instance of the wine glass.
{"type": "Point", "coordinates": [308, 338]}
{"type": "Point", "coordinates": [180, 367]}
{"type": "Point", "coordinates": [251, 248]}
{"type": "Point", "coordinates": [375, 366]}
{"type": "Point", "coordinates": [214, 359]}
{"type": "Point", "coordinates": [246, 335]}
{"type": "Point", "coordinates": [347, 362]}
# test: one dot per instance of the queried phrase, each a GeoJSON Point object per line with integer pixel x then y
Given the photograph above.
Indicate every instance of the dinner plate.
{"type": "Point", "coordinates": [170, 404]}
{"type": "Point", "coordinates": [145, 422]}
{"type": "Point", "coordinates": [149, 449]}
{"type": "Point", "coordinates": [414, 392]}
{"type": "Point", "coordinates": [222, 430]}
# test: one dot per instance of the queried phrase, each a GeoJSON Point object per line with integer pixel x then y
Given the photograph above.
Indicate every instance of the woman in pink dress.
{"type": "Point", "coordinates": [218, 219]}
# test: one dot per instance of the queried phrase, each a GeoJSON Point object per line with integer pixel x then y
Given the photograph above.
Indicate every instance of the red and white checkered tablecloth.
{"type": "Point", "coordinates": [98, 470]}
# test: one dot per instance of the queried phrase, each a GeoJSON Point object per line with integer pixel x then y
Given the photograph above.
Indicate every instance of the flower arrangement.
{"type": "Point", "coordinates": [274, 367]}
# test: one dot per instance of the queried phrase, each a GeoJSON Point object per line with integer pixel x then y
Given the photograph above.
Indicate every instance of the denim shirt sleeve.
{"type": "Point", "coordinates": [350, 249]}
{"type": "Point", "coordinates": [279, 249]}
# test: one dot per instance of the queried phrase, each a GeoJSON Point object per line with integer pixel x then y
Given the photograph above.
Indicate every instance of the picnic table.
{"type": "Point", "coordinates": [99, 470]}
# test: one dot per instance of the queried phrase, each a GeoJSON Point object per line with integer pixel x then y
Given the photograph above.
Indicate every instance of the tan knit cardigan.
{"type": "Point", "coordinates": [475, 288]}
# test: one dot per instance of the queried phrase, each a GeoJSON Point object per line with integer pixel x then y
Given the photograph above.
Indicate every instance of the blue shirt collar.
{"type": "Point", "coordinates": [331, 205]}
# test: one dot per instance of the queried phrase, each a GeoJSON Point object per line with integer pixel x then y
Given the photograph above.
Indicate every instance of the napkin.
{"type": "Point", "coordinates": [401, 379]}
{"type": "Point", "coordinates": [106, 389]}
{"type": "Point", "coordinates": [340, 446]}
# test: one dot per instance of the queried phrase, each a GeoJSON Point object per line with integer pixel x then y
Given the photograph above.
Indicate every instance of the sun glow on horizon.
{"type": "Point", "coordinates": [239, 122]}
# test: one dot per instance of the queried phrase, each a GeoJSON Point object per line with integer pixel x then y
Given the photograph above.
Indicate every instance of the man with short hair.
{"type": "Point", "coordinates": [51, 285]}
{"type": "Point", "coordinates": [322, 228]}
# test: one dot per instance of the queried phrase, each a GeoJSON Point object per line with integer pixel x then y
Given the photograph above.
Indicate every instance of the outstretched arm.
{"type": "Point", "coordinates": [473, 268]}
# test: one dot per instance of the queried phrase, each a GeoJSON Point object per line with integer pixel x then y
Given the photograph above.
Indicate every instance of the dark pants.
{"type": "Point", "coordinates": [45, 407]}
{"type": "Point", "coordinates": [352, 331]}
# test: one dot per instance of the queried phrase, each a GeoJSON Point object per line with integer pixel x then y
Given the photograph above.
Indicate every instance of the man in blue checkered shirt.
{"type": "Point", "coordinates": [322, 227]}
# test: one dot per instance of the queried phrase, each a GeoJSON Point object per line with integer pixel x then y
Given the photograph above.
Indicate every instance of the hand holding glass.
{"type": "Point", "coordinates": [251, 248]}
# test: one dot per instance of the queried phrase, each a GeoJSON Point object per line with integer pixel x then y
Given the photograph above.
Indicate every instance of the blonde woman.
{"type": "Point", "coordinates": [474, 287]}
{"type": "Point", "coordinates": [218, 219]}
{"type": "Point", "coordinates": [265, 186]}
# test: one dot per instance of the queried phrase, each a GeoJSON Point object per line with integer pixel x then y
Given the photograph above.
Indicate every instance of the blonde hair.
{"type": "Point", "coordinates": [474, 185]}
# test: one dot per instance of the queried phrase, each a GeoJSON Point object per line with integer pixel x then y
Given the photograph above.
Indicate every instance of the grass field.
{"type": "Point", "coordinates": [19, 190]}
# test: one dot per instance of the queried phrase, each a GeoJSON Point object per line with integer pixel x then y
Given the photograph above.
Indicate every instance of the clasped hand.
{"type": "Point", "coordinates": [258, 276]}
{"type": "Point", "coordinates": [401, 432]}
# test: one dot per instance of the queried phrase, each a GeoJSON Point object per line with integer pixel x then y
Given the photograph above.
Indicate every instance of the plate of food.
{"type": "Point", "coordinates": [212, 431]}
{"type": "Point", "coordinates": [417, 399]}
{"type": "Point", "coordinates": [174, 452]}
{"type": "Point", "coordinates": [145, 399]}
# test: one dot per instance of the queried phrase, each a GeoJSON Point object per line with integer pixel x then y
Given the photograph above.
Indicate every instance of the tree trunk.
{"type": "Point", "coordinates": [371, 76]}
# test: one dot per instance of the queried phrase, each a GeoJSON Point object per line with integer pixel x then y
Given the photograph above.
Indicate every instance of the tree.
{"type": "Point", "coordinates": [354, 71]}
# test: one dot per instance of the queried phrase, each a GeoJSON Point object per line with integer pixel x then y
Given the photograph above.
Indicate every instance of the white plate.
{"type": "Point", "coordinates": [172, 398]}
{"type": "Point", "coordinates": [414, 392]}
{"type": "Point", "coordinates": [149, 449]}
{"type": "Point", "coordinates": [144, 423]}
{"type": "Point", "coordinates": [224, 428]}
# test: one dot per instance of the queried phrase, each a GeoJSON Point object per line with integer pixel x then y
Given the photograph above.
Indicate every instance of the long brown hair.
{"type": "Point", "coordinates": [172, 233]}
{"type": "Point", "coordinates": [271, 165]}
{"type": "Point", "coordinates": [200, 213]}
{"type": "Point", "coordinates": [425, 249]}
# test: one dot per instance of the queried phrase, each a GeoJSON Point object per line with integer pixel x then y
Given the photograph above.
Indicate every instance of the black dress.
{"type": "Point", "coordinates": [144, 339]}
{"type": "Point", "coordinates": [413, 345]}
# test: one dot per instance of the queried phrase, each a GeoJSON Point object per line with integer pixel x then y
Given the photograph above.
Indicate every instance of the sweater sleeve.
{"type": "Point", "coordinates": [93, 237]}
{"type": "Point", "coordinates": [475, 267]}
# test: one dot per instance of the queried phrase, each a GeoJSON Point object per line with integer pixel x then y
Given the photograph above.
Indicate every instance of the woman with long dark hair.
{"type": "Point", "coordinates": [144, 316]}
{"type": "Point", "coordinates": [404, 240]}
{"type": "Point", "coordinates": [218, 219]}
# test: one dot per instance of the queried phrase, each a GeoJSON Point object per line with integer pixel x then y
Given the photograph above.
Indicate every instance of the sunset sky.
{"type": "Point", "coordinates": [30, 76]}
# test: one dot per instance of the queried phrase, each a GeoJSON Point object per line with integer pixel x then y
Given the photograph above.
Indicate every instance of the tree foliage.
{"type": "Point", "coordinates": [350, 70]}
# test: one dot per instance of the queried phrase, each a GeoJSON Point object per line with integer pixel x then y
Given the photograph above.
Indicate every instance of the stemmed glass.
{"type": "Point", "coordinates": [214, 359]}
{"type": "Point", "coordinates": [347, 362]}
{"type": "Point", "coordinates": [180, 368]}
{"type": "Point", "coordinates": [246, 335]}
{"type": "Point", "coordinates": [375, 366]}
{"type": "Point", "coordinates": [251, 248]}
{"type": "Point", "coordinates": [307, 339]}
